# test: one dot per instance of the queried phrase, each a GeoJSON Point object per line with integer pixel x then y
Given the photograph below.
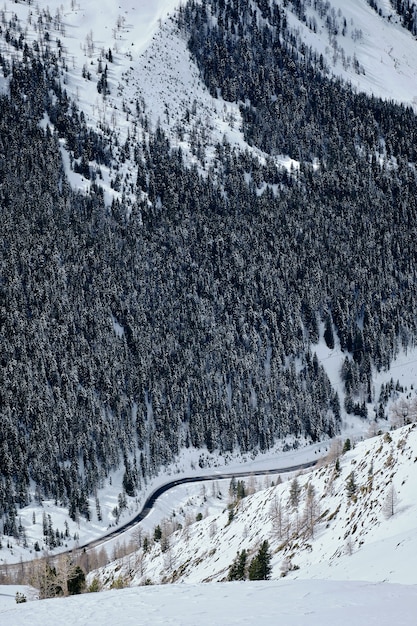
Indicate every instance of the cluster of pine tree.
{"type": "Point", "coordinates": [259, 567]}
{"type": "Point", "coordinates": [189, 319]}
{"type": "Point", "coordinates": [407, 10]}
{"type": "Point", "coordinates": [352, 217]}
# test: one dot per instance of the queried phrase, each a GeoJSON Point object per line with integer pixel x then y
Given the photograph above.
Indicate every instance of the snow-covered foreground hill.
{"type": "Point", "coordinates": [351, 548]}
{"type": "Point", "coordinates": [299, 603]}
{"type": "Point", "coordinates": [343, 552]}
{"type": "Point", "coordinates": [353, 518]}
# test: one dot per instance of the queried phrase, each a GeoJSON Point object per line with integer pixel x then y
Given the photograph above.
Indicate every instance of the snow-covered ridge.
{"type": "Point", "coordinates": [151, 72]}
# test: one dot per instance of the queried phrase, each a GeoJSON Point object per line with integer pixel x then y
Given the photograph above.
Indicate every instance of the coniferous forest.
{"type": "Point", "coordinates": [188, 317]}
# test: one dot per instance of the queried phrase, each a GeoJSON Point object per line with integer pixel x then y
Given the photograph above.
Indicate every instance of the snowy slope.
{"type": "Point", "coordinates": [152, 66]}
{"type": "Point", "coordinates": [385, 52]}
{"type": "Point", "coordinates": [332, 536]}
{"type": "Point", "coordinates": [299, 603]}
{"type": "Point", "coordinates": [358, 563]}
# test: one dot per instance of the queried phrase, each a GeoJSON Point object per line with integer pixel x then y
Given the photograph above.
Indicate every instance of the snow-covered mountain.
{"type": "Point", "coordinates": [154, 74]}
{"type": "Point", "coordinates": [130, 72]}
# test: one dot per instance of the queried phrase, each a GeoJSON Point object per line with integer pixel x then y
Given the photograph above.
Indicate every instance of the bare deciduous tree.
{"type": "Point", "coordinates": [390, 504]}
{"type": "Point", "coordinates": [311, 510]}
{"type": "Point", "coordinates": [279, 517]}
{"type": "Point", "coordinates": [213, 529]}
{"type": "Point", "coordinates": [140, 562]}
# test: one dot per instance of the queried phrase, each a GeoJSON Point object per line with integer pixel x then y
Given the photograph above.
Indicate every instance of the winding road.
{"type": "Point", "coordinates": [153, 497]}
{"type": "Point", "coordinates": [13, 568]}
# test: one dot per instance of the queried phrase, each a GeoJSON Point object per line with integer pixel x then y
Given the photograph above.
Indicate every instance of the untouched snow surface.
{"type": "Point", "coordinates": [299, 603]}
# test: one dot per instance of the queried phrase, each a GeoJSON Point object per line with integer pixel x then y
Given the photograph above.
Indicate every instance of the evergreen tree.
{"type": "Point", "coordinates": [346, 446]}
{"type": "Point", "coordinates": [237, 570]}
{"type": "Point", "coordinates": [351, 487]}
{"type": "Point", "coordinates": [260, 566]}
{"type": "Point", "coordinates": [157, 533]}
{"type": "Point", "coordinates": [295, 492]}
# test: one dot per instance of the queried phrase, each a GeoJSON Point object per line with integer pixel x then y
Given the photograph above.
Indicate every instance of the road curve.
{"type": "Point", "coordinates": [153, 497]}
{"type": "Point", "coordinates": [13, 568]}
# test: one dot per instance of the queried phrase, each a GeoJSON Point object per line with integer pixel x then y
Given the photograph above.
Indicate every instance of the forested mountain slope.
{"type": "Point", "coordinates": [182, 311]}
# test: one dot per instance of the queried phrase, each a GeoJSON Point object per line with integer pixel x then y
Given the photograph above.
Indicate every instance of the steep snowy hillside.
{"type": "Point", "coordinates": [375, 55]}
{"type": "Point", "coordinates": [354, 518]}
{"type": "Point", "coordinates": [150, 71]}
{"type": "Point", "coordinates": [237, 275]}
{"type": "Point", "coordinates": [95, 42]}
{"type": "Point", "coordinates": [351, 520]}
{"type": "Point", "coordinates": [364, 45]}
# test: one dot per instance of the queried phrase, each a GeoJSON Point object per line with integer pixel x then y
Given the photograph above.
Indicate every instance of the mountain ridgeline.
{"type": "Point", "coordinates": [187, 318]}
